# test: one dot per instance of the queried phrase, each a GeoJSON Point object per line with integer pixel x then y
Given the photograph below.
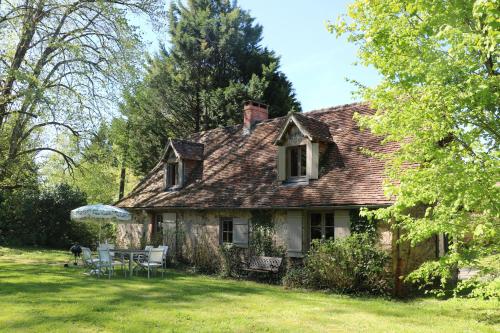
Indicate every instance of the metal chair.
{"type": "Point", "coordinates": [88, 262]}
{"type": "Point", "coordinates": [165, 252]}
{"type": "Point", "coordinates": [106, 264]}
{"type": "Point", "coordinates": [120, 261]}
{"type": "Point", "coordinates": [154, 261]}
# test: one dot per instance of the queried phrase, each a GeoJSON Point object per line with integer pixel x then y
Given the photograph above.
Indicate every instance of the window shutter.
{"type": "Point", "coordinates": [281, 163]}
{"type": "Point", "coordinates": [240, 232]}
{"type": "Point", "coordinates": [180, 173]}
{"type": "Point", "coordinates": [165, 176]}
{"type": "Point", "coordinates": [312, 160]}
{"type": "Point", "coordinates": [342, 224]}
{"type": "Point", "coordinates": [295, 230]}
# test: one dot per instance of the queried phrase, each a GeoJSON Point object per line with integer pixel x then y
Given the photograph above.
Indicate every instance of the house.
{"type": "Point", "coordinates": [307, 169]}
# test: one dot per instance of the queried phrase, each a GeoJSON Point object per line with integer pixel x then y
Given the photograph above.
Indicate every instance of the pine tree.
{"type": "Point", "coordinates": [214, 63]}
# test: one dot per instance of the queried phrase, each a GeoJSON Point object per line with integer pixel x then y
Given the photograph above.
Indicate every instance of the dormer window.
{"type": "Point", "coordinates": [300, 141]}
{"type": "Point", "coordinates": [182, 160]}
{"type": "Point", "coordinates": [172, 174]}
{"type": "Point", "coordinates": [296, 162]}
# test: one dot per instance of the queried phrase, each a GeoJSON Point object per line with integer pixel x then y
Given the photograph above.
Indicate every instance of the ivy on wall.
{"type": "Point", "coordinates": [261, 234]}
{"type": "Point", "coordinates": [362, 224]}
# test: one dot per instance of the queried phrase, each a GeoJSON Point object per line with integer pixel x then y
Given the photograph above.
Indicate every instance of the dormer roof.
{"type": "Point", "coordinates": [313, 129]}
{"type": "Point", "coordinates": [187, 150]}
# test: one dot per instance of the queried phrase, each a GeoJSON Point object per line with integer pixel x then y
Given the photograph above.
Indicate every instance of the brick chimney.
{"type": "Point", "coordinates": [253, 112]}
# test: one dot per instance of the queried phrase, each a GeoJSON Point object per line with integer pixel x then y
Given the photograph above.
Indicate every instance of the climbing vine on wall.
{"type": "Point", "coordinates": [261, 234]}
{"type": "Point", "coordinates": [362, 224]}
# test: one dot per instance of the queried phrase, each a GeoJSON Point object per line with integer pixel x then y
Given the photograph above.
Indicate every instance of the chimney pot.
{"type": "Point", "coordinates": [253, 112]}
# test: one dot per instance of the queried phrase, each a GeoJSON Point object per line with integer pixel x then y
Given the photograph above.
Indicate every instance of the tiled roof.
{"type": "Point", "coordinates": [239, 171]}
{"type": "Point", "coordinates": [187, 149]}
{"type": "Point", "coordinates": [318, 130]}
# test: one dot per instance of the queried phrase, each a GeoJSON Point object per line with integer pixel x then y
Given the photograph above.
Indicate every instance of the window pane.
{"type": "Point", "coordinates": [159, 221]}
{"type": "Point", "coordinates": [227, 231]}
{"type": "Point", "coordinates": [315, 233]}
{"type": "Point", "coordinates": [227, 225]}
{"type": "Point", "coordinates": [174, 174]}
{"type": "Point", "coordinates": [303, 158]}
{"type": "Point", "coordinates": [294, 162]}
{"type": "Point", "coordinates": [329, 232]}
{"type": "Point", "coordinates": [329, 220]}
{"type": "Point", "coordinates": [315, 226]}
{"type": "Point", "coordinates": [315, 220]}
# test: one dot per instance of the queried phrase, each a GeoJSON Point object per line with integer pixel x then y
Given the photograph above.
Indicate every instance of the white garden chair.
{"type": "Point", "coordinates": [106, 263]}
{"type": "Point", "coordinates": [120, 261]}
{"type": "Point", "coordinates": [154, 261]}
{"type": "Point", "coordinates": [88, 262]}
{"type": "Point", "coordinates": [165, 252]}
{"type": "Point", "coordinates": [142, 257]}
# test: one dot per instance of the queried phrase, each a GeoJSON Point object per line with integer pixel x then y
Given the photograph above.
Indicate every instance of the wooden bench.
{"type": "Point", "coordinates": [264, 265]}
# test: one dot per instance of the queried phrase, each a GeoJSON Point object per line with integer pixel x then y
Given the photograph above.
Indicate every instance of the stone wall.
{"type": "Point", "coordinates": [136, 233]}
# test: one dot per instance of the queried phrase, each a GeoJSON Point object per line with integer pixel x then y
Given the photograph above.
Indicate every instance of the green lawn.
{"type": "Point", "coordinates": [37, 294]}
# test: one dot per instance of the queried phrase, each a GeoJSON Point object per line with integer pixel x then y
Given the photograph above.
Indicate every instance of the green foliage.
{"type": "Point", "coordinates": [350, 265]}
{"type": "Point", "coordinates": [434, 277]}
{"type": "Point", "coordinates": [361, 223]}
{"type": "Point", "coordinates": [231, 260]}
{"type": "Point", "coordinates": [99, 165]}
{"type": "Point", "coordinates": [476, 287]}
{"type": "Point", "coordinates": [262, 233]}
{"type": "Point", "coordinates": [215, 63]}
{"type": "Point", "coordinates": [30, 216]}
{"type": "Point", "coordinates": [439, 100]}
{"type": "Point", "coordinates": [61, 66]}
{"type": "Point", "coordinates": [298, 277]}
{"type": "Point", "coordinates": [486, 283]}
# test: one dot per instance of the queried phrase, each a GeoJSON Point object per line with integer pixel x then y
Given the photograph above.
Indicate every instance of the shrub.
{"type": "Point", "coordinates": [353, 264]}
{"type": "Point", "coordinates": [486, 284]}
{"type": "Point", "coordinates": [35, 217]}
{"type": "Point", "coordinates": [298, 277]}
{"type": "Point", "coordinates": [231, 260]}
{"type": "Point", "coordinates": [478, 287]}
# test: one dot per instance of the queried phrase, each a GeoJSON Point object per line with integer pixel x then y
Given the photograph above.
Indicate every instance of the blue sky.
{"type": "Point", "coordinates": [315, 61]}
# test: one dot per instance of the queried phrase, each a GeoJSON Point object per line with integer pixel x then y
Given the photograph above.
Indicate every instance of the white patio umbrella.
{"type": "Point", "coordinates": [101, 213]}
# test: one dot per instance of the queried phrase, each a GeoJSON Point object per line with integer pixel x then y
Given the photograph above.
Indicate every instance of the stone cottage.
{"type": "Point", "coordinates": [307, 170]}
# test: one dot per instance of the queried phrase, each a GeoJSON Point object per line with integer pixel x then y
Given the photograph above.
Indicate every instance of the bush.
{"type": "Point", "coordinates": [35, 217]}
{"type": "Point", "coordinates": [479, 287]}
{"type": "Point", "coordinates": [231, 260]}
{"type": "Point", "coordinates": [352, 265]}
{"type": "Point", "coordinates": [298, 277]}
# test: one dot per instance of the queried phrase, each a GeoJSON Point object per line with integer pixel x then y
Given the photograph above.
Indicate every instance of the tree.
{"type": "Point", "coordinates": [439, 99]}
{"type": "Point", "coordinates": [60, 62]}
{"type": "Point", "coordinates": [214, 63]}
{"type": "Point", "coordinates": [98, 167]}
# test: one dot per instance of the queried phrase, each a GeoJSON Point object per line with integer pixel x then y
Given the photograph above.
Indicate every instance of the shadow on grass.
{"type": "Point", "coordinates": [93, 302]}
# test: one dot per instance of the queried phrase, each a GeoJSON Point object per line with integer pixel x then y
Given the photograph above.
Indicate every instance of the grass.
{"type": "Point", "coordinates": [37, 294]}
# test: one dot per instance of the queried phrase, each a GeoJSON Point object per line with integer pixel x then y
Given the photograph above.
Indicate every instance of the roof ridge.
{"type": "Point", "coordinates": [313, 112]}
{"type": "Point", "coordinates": [334, 108]}
{"type": "Point", "coordinates": [186, 141]}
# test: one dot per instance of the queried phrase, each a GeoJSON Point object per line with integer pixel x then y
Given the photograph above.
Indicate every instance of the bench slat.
{"type": "Point", "coordinates": [264, 264]}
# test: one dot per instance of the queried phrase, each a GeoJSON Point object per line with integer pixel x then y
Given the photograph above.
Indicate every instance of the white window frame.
{"type": "Point", "coordinates": [323, 225]}
{"type": "Point", "coordinates": [302, 174]}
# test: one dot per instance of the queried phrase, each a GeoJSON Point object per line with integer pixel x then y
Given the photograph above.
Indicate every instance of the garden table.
{"type": "Point", "coordinates": [131, 253]}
